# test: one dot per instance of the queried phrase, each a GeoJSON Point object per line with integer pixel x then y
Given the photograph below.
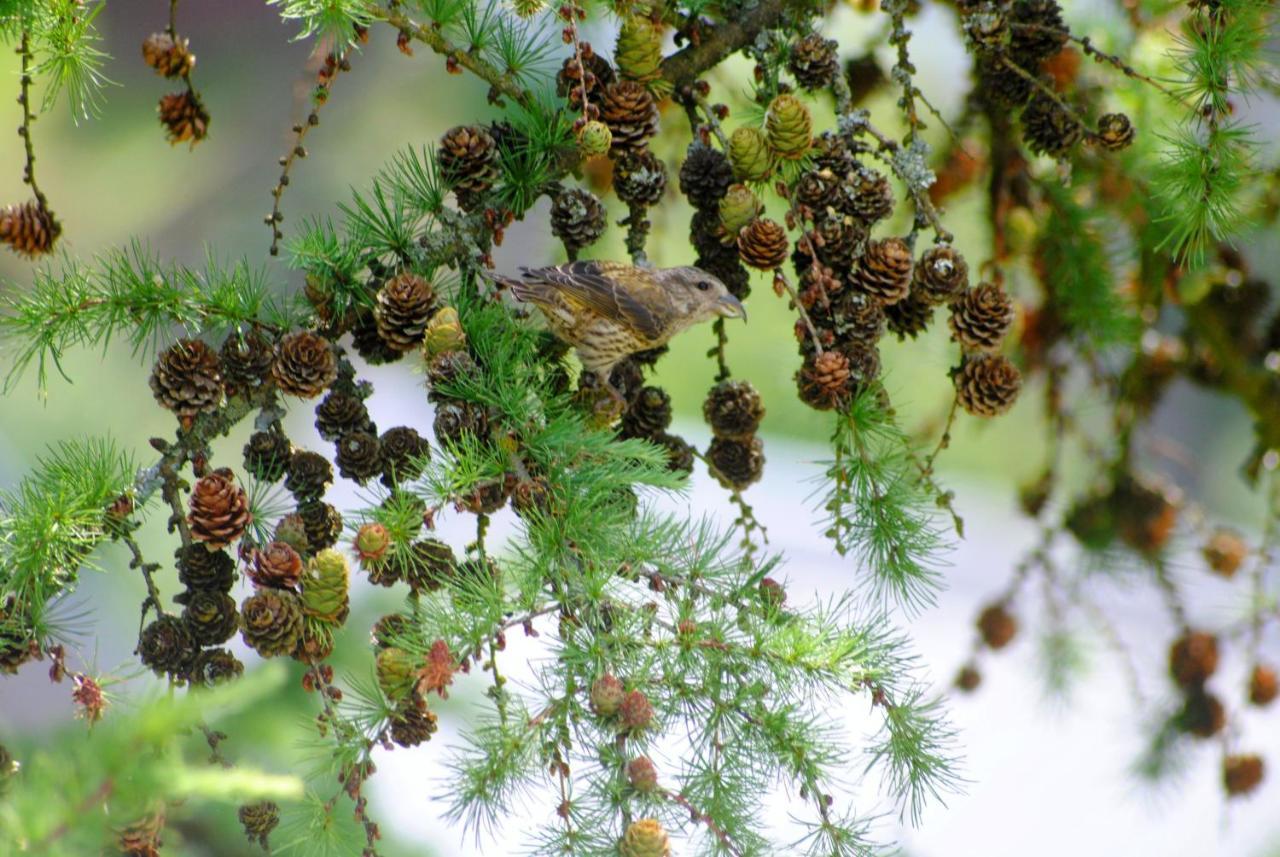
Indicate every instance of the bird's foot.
{"type": "Point", "coordinates": [603, 401]}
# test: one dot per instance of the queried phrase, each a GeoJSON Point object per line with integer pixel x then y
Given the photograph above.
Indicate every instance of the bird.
{"type": "Point", "coordinates": [610, 310]}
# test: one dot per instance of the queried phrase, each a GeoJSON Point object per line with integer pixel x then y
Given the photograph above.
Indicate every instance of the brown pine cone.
{"type": "Point", "coordinates": [569, 78]}
{"type": "Point", "coordinates": [304, 365]}
{"type": "Point", "coordinates": [1225, 552]}
{"type": "Point", "coordinates": [1000, 85]}
{"type": "Point", "coordinates": [813, 62]}
{"type": "Point", "coordinates": [213, 667]}
{"type": "Point", "coordinates": [629, 111]}
{"type": "Point", "coordinates": [1202, 714]}
{"type": "Point", "coordinates": [258, 820]}
{"type": "Point", "coordinates": [826, 380]}
{"type": "Point", "coordinates": [369, 344]}
{"type": "Point", "coordinates": [763, 244]}
{"type": "Point", "coordinates": [981, 317]}
{"type": "Point", "coordinates": [733, 409]}
{"type": "Point", "coordinates": [484, 497]}
{"type": "Point", "coordinates": [449, 368]}
{"type": "Point", "coordinates": [817, 190]}
{"type": "Point", "coordinates": [837, 241]}
{"type": "Point", "coordinates": [340, 414]}
{"type": "Point", "coordinates": [679, 452]}
{"type": "Point", "coordinates": [578, 219]}
{"type": "Point", "coordinates": [997, 626]}
{"type": "Point", "coordinates": [219, 510]}
{"type": "Point", "coordinates": [940, 276]}
{"type": "Point", "coordinates": [1263, 686]}
{"type": "Point", "coordinates": [648, 415]}
{"type": "Point", "coordinates": [412, 723]}
{"type": "Point", "coordinates": [910, 316]}
{"type": "Point", "coordinates": [884, 271]}
{"type": "Point", "coordinates": [736, 464]}
{"type": "Point", "coordinates": [210, 616]}
{"type": "Point", "coordinates": [142, 837]}
{"type": "Point", "coordinates": [867, 195]}
{"type": "Point", "coordinates": [201, 568]}
{"type": "Point", "coordinates": [455, 420]}
{"type": "Point", "coordinates": [310, 475]}
{"type": "Point", "coordinates": [857, 318]}
{"type": "Point", "coordinates": [432, 564]}
{"type": "Point", "coordinates": [403, 451]}
{"type": "Point", "coordinates": [987, 385]}
{"type": "Point", "coordinates": [17, 646]}
{"type": "Point", "coordinates": [1047, 128]}
{"type": "Point", "coordinates": [635, 713]}
{"type": "Point", "coordinates": [1242, 773]}
{"type": "Point", "coordinates": [272, 623]}
{"type": "Point", "coordinates": [1044, 35]}
{"type": "Point", "coordinates": [169, 57]}
{"type": "Point", "coordinates": [245, 360]}
{"type": "Point", "coordinates": [705, 175]}
{"type": "Point", "coordinates": [403, 310]}
{"type": "Point", "coordinates": [468, 159]}
{"type": "Point", "coordinates": [183, 117]}
{"type": "Point", "coordinates": [166, 646]}
{"type": "Point", "coordinates": [323, 524]}
{"type": "Point", "coordinates": [187, 379]}
{"type": "Point", "coordinates": [277, 566]}
{"type": "Point", "coordinates": [1193, 658]}
{"type": "Point", "coordinates": [29, 228]}
{"type": "Point", "coordinates": [639, 178]}
{"type": "Point", "coordinates": [1115, 132]}
{"type": "Point", "coordinates": [359, 456]}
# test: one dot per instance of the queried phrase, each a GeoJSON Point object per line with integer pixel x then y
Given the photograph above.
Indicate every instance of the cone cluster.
{"type": "Point", "coordinates": [734, 411]}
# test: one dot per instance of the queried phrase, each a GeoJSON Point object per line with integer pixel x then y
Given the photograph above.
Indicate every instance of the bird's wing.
{"type": "Point", "coordinates": [612, 290]}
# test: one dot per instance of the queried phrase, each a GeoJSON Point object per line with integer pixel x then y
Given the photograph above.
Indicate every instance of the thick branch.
{"type": "Point", "coordinates": [683, 67]}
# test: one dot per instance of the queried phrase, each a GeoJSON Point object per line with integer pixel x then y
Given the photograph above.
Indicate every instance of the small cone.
{"type": "Point", "coordinates": [29, 228]}
{"type": "Point", "coordinates": [788, 127]}
{"type": "Point", "coordinates": [304, 365]}
{"type": "Point", "coordinates": [272, 622]}
{"type": "Point", "coordinates": [987, 385]}
{"type": "Point", "coordinates": [187, 378]}
{"type": "Point", "coordinates": [763, 244]}
{"type": "Point", "coordinates": [645, 838]}
{"type": "Point", "coordinates": [184, 117]}
{"type": "Point", "coordinates": [749, 155]}
{"type": "Point", "coordinates": [219, 510]}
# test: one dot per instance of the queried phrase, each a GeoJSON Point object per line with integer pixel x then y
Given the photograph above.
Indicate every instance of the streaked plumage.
{"type": "Point", "coordinates": [608, 310]}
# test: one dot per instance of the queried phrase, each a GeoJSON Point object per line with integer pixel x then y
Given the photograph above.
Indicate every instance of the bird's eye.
{"type": "Point", "coordinates": [704, 286]}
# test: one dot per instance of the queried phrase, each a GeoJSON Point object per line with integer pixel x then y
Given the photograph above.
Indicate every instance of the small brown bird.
{"type": "Point", "coordinates": [608, 310]}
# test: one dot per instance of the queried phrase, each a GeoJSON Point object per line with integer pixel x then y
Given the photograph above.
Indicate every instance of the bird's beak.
{"type": "Point", "coordinates": [730, 307]}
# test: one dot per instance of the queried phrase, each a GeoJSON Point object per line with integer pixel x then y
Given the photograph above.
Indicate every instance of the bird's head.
{"type": "Point", "coordinates": [701, 296]}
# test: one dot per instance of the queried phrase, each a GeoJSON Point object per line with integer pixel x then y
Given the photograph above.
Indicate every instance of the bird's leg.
{"type": "Point", "coordinates": [605, 400]}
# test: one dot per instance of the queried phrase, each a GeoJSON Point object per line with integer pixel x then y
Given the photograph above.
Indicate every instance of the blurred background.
{"type": "Point", "coordinates": [1049, 774]}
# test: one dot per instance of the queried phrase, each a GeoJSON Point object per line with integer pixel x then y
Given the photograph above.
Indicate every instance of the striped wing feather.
{"type": "Point", "coordinates": [608, 289]}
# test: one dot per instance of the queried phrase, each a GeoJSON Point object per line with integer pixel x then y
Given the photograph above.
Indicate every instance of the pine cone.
{"type": "Point", "coordinates": [468, 159]}
{"type": "Point", "coordinates": [454, 420]}
{"type": "Point", "coordinates": [594, 139]}
{"type": "Point", "coordinates": [186, 379]}
{"type": "Point", "coordinates": [981, 317]}
{"type": "Point", "coordinates": [867, 195]}
{"type": "Point", "coordinates": [1115, 132]}
{"type": "Point", "coordinates": [817, 190]}
{"type": "Point", "coordinates": [837, 241]}
{"type": "Point", "coordinates": [736, 464]}
{"type": "Point", "coordinates": [910, 316]}
{"type": "Point", "coordinates": [431, 566]}
{"type": "Point", "coordinates": [642, 775]}
{"type": "Point", "coordinates": [705, 175]}
{"type": "Point", "coordinates": [304, 365]}
{"type": "Point", "coordinates": [323, 524]}
{"type": "Point", "coordinates": [737, 209]}
{"type": "Point", "coordinates": [1202, 714]}
{"type": "Point", "coordinates": [272, 623]}
{"type": "Point", "coordinates": [340, 414]}
{"type": "Point", "coordinates": [484, 497]}
{"type": "Point", "coordinates": [763, 244]}
{"type": "Point", "coordinates": [884, 272]}
{"type": "Point", "coordinates": [857, 319]}
{"type": "Point", "coordinates": [569, 80]}
{"type": "Point", "coordinates": [825, 380]}
{"type": "Point", "coordinates": [679, 452]}
{"type": "Point", "coordinates": [577, 218]}
{"type": "Point", "coordinates": [210, 617]}
{"type": "Point", "coordinates": [1003, 87]}
{"type": "Point", "coordinates": [396, 673]}
{"type": "Point", "coordinates": [369, 344]}
{"type": "Point", "coordinates": [813, 62]}
{"type": "Point", "coordinates": [183, 117]}
{"type": "Point", "coordinates": [749, 155]}
{"type": "Point", "coordinates": [830, 152]}
{"type": "Point", "coordinates": [219, 510]}
{"type": "Point", "coordinates": [639, 178]}
{"type": "Point", "coordinates": [258, 820]}
{"type": "Point", "coordinates": [638, 52]}
{"type": "Point", "coordinates": [17, 646]}
{"type": "Point", "coordinates": [1048, 129]}
{"type": "Point", "coordinates": [277, 566]}
{"type": "Point", "coordinates": [169, 57]}
{"type": "Point", "coordinates": [1193, 658]}
{"type": "Point", "coordinates": [292, 530]}
{"type": "Point", "coordinates": [412, 724]}
{"type": "Point", "coordinates": [166, 646]}
{"type": "Point", "coordinates": [987, 385]}
{"type": "Point", "coordinates": [310, 475]}
{"type": "Point", "coordinates": [142, 837]}
{"type": "Point", "coordinates": [648, 415]}
{"type": "Point", "coordinates": [645, 838]}
{"type": "Point", "coordinates": [449, 368]}
{"type": "Point", "coordinates": [201, 568]}
{"type": "Point", "coordinates": [444, 334]}
{"type": "Point", "coordinates": [29, 228]}
{"type": "Point", "coordinates": [1242, 773]}
{"type": "Point", "coordinates": [359, 457]}
{"type": "Point", "coordinates": [403, 451]}
{"type": "Point", "coordinates": [1263, 685]}
{"type": "Point", "coordinates": [940, 276]}
{"type": "Point", "coordinates": [631, 114]}
{"type": "Point", "coordinates": [326, 587]}
{"type": "Point", "coordinates": [213, 667]}
{"type": "Point", "coordinates": [788, 127]}
{"type": "Point", "coordinates": [390, 629]}
{"type": "Point", "coordinates": [1044, 37]}
{"type": "Point", "coordinates": [404, 307]}
{"type": "Point", "coordinates": [245, 360]}
{"type": "Point", "coordinates": [997, 626]}
{"type": "Point", "coordinates": [734, 410]}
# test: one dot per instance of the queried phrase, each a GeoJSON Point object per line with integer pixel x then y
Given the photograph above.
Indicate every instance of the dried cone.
{"type": "Point", "coordinates": [359, 456]}
{"type": "Point", "coordinates": [187, 378]}
{"type": "Point", "coordinates": [183, 117]}
{"type": "Point", "coordinates": [304, 365]}
{"type": "Point", "coordinates": [258, 820]}
{"type": "Point", "coordinates": [246, 359]}
{"type": "Point", "coordinates": [468, 159]}
{"type": "Point", "coordinates": [323, 524]}
{"type": "Point", "coordinates": [166, 646]}
{"type": "Point", "coordinates": [277, 566]}
{"type": "Point", "coordinates": [788, 127]}
{"type": "Point", "coordinates": [1202, 714]}
{"type": "Point", "coordinates": [884, 272]}
{"type": "Point", "coordinates": [577, 218]}
{"type": "Point", "coordinates": [638, 52]}
{"type": "Point", "coordinates": [368, 344]}
{"type": "Point", "coordinates": [219, 510]}
{"type": "Point", "coordinates": [1115, 132]}
{"type": "Point", "coordinates": [645, 838]}
{"type": "Point", "coordinates": [412, 724]}
{"type": "Point", "coordinates": [169, 57]}
{"type": "Point", "coordinates": [1262, 685]}
{"type": "Point", "coordinates": [29, 228]}
{"type": "Point", "coordinates": [213, 667]}
{"type": "Point", "coordinates": [201, 568]}
{"type": "Point", "coordinates": [1225, 552]}
{"type": "Point", "coordinates": [736, 464]}
{"type": "Point", "coordinates": [749, 154]}
{"type": "Point", "coordinates": [1042, 34]}
{"type": "Point", "coordinates": [997, 626]}
{"type": "Point", "coordinates": [763, 244]}
{"type": "Point", "coordinates": [648, 415]}
{"type": "Point", "coordinates": [309, 476]}
{"type": "Point", "coordinates": [639, 178]}
{"type": "Point", "coordinates": [403, 310]}
{"type": "Point", "coordinates": [142, 837]}
{"type": "Point", "coordinates": [825, 380]}
{"type": "Point", "coordinates": [599, 74]}
{"type": "Point", "coordinates": [679, 452]}
{"type": "Point", "coordinates": [272, 622]}
{"type": "Point", "coordinates": [867, 195]}
{"type": "Point", "coordinates": [987, 385]}
{"type": "Point", "coordinates": [705, 175]}
{"type": "Point", "coordinates": [813, 62]}
{"type": "Point", "coordinates": [940, 276]}
{"type": "Point", "coordinates": [1193, 658]}
{"type": "Point", "coordinates": [1242, 773]}
{"type": "Point", "coordinates": [1048, 129]}
{"type": "Point", "coordinates": [909, 317]}
{"type": "Point", "coordinates": [403, 451]}
{"type": "Point", "coordinates": [210, 616]}
{"type": "Point", "coordinates": [431, 565]}
{"type": "Point", "coordinates": [981, 317]}
{"type": "Point", "coordinates": [733, 409]}
{"type": "Point", "coordinates": [631, 114]}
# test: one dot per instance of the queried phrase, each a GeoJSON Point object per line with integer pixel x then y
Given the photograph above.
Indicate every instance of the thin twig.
{"type": "Point", "coordinates": [28, 117]}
